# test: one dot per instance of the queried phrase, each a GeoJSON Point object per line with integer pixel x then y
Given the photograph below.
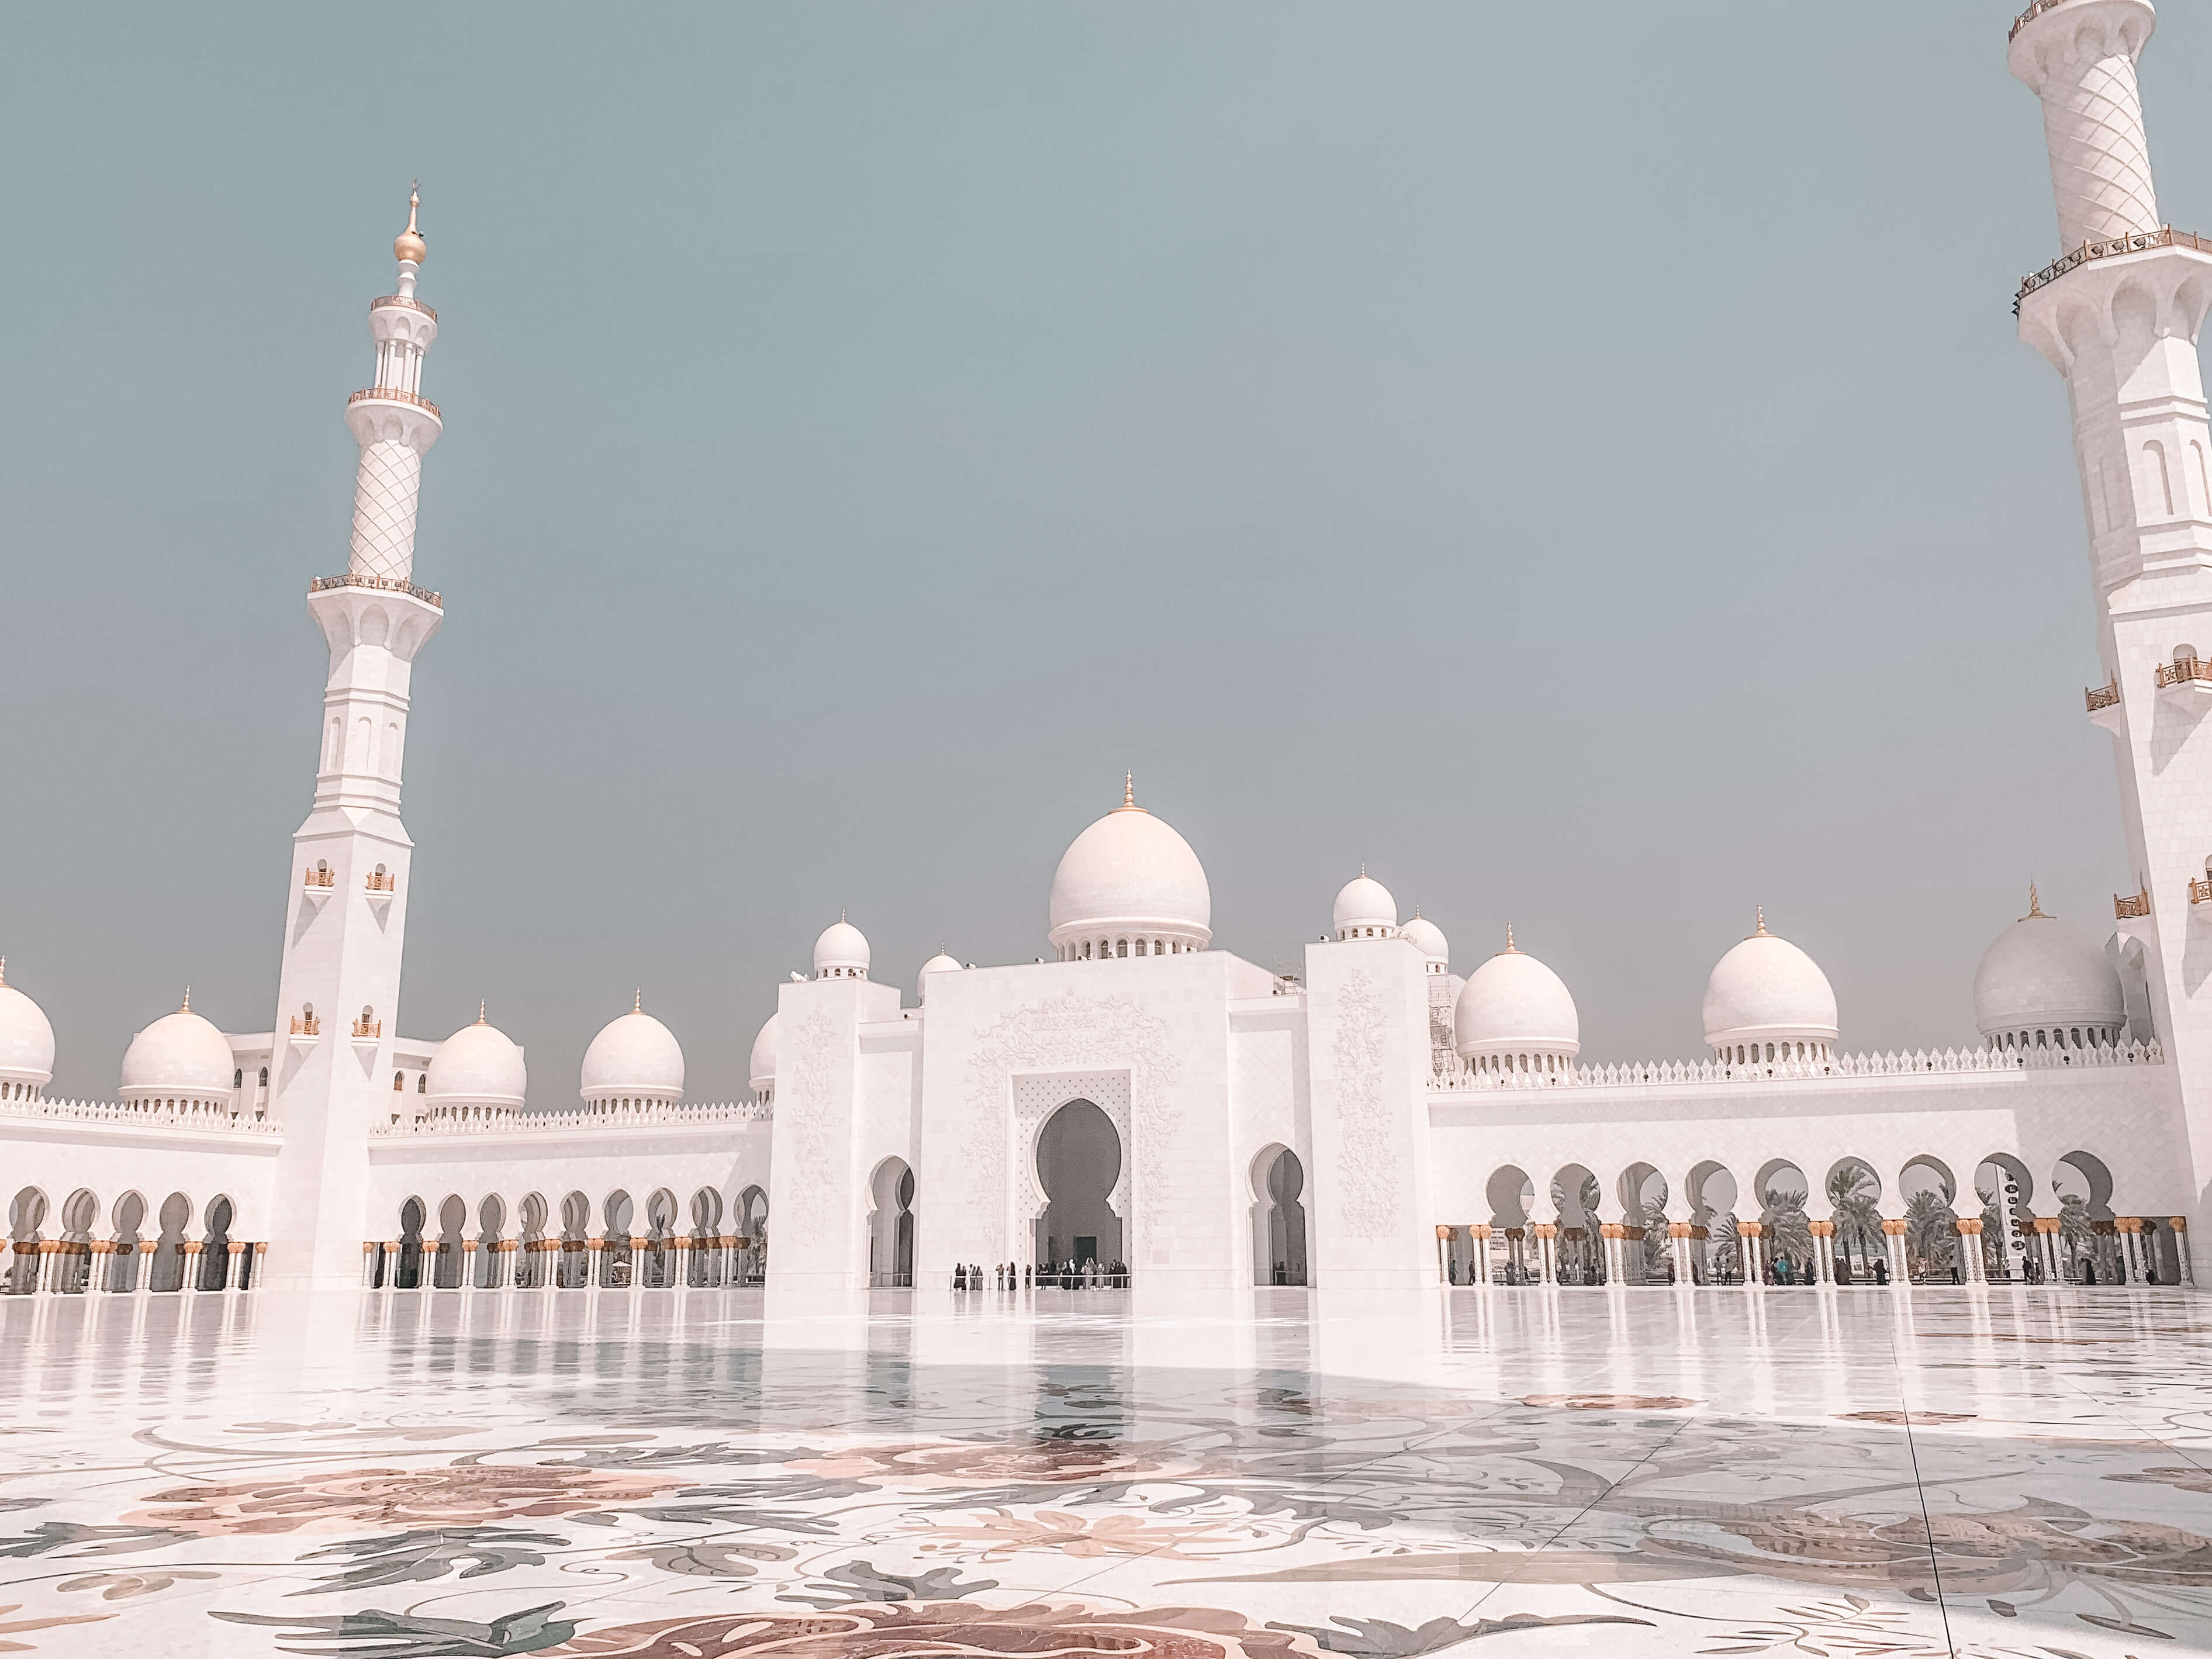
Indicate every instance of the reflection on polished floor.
{"type": "Point", "coordinates": [686, 1474]}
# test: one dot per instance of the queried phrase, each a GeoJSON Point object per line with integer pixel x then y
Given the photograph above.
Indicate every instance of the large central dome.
{"type": "Point", "coordinates": [1129, 885]}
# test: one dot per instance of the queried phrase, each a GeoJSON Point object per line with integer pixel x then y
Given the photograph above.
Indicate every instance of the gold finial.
{"type": "Point", "coordinates": [637, 1001]}
{"type": "Point", "coordinates": [841, 913]}
{"type": "Point", "coordinates": [2034, 904]}
{"type": "Point", "coordinates": [409, 247]}
{"type": "Point", "coordinates": [1362, 869]}
{"type": "Point", "coordinates": [481, 1020]}
{"type": "Point", "coordinates": [187, 1006]}
{"type": "Point", "coordinates": [3, 971]}
{"type": "Point", "coordinates": [1511, 949]}
{"type": "Point", "coordinates": [1760, 932]}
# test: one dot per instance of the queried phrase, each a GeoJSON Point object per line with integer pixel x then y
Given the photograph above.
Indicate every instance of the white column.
{"type": "Point", "coordinates": [1679, 1244]}
{"type": "Point", "coordinates": [2181, 1249]}
{"type": "Point", "coordinates": [1481, 1234]}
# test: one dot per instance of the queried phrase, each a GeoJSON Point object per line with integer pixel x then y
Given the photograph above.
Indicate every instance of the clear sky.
{"type": "Point", "coordinates": [1575, 459]}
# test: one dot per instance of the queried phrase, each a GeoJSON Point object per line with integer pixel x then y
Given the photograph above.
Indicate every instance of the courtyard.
{"type": "Point", "coordinates": [1854, 1471]}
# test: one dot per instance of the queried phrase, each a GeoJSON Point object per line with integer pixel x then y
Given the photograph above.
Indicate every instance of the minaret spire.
{"type": "Point", "coordinates": [393, 422]}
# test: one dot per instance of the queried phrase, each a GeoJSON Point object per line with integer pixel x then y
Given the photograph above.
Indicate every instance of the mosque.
{"type": "Point", "coordinates": [1138, 1099]}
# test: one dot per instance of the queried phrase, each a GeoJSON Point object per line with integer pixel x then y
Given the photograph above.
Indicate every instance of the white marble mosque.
{"type": "Point", "coordinates": [1140, 1104]}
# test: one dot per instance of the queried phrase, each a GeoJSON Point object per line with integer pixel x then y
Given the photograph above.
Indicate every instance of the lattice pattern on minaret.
{"type": "Point", "coordinates": [2099, 160]}
{"type": "Point", "coordinates": [384, 498]}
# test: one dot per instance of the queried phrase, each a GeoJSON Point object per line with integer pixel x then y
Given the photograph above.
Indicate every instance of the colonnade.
{"type": "Point", "coordinates": [1530, 1254]}
{"type": "Point", "coordinates": [692, 1260]}
{"type": "Point", "coordinates": [66, 1266]}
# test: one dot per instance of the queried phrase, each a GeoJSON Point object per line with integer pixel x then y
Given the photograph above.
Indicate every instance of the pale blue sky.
{"type": "Point", "coordinates": [1575, 459]}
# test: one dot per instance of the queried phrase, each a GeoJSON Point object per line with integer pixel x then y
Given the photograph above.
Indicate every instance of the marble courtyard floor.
{"type": "Point", "coordinates": [1514, 1472]}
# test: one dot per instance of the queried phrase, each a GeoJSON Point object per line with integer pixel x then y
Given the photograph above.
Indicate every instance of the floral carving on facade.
{"type": "Point", "coordinates": [1370, 1154]}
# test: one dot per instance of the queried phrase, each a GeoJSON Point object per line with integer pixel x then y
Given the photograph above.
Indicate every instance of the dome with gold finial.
{"type": "Point", "coordinates": [409, 247]}
{"type": "Point", "coordinates": [634, 1057]}
{"type": "Point", "coordinates": [1767, 1000]}
{"type": "Point", "coordinates": [1515, 1015]}
{"type": "Point", "coordinates": [479, 1067]}
{"type": "Point", "coordinates": [180, 1057]}
{"type": "Point", "coordinates": [2041, 985]}
{"type": "Point", "coordinates": [1129, 886]}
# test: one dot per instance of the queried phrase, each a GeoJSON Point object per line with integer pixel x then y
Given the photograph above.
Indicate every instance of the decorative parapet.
{"type": "Point", "coordinates": [2200, 892]}
{"type": "Point", "coordinates": [322, 877]}
{"type": "Point", "coordinates": [385, 583]}
{"type": "Point", "coordinates": [2137, 242]}
{"type": "Point", "coordinates": [368, 1028]}
{"type": "Point", "coordinates": [2106, 695]}
{"type": "Point", "coordinates": [383, 881]}
{"type": "Point", "coordinates": [307, 1025]}
{"type": "Point", "coordinates": [401, 302]}
{"type": "Point", "coordinates": [2126, 906]}
{"type": "Point", "coordinates": [598, 1119]}
{"type": "Point", "coordinates": [199, 1116]}
{"type": "Point", "coordinates": [1915, 1062]}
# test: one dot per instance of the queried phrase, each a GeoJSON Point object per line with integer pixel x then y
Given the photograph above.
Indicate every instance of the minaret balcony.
{"type": "Point", "coordinates": [2141, 241]}
{"type": "Point", "coordinates": [393, 394]}
{"type": "Point", "coordinates": [402, 302]}
{"type": "Point", "coordinates": [2103, 702]}
{"type": "Point", "coordinates": [2131, 907]}
{"type": "Point", "coordinates": [2186, 682]}
{"type": "Point", "coordinates": [436, 600]}
{"type": "Point", "coordinates": [2200, 892]}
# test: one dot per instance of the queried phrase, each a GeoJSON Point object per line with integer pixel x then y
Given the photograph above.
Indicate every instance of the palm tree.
{"type": "Point", "coordinates": [1724, 1249]}
{"type": "Point", "coordinates": [1851, 1189]}
{"type": "Point", "coordinates": [1931, 1231]}
{"type": "Point", "coordinates": [1792, 1228]}
{"type": "Point", "coordinates": [1658, 1251]}
{"type": "Point", "coordinates": [2077, 1229]}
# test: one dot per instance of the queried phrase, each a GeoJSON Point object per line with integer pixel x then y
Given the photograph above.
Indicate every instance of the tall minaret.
{"type": "Point", "coordinates": [2118, 315]}
{"type": "Point", "coordinates": [337, 998]}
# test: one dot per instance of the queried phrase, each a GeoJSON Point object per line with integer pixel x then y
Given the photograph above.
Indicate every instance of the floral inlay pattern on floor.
{"type": "Point", "coordinates": [1858, 1472]}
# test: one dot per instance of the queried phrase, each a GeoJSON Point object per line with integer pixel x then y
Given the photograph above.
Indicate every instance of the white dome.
{"type": "Point", "coordinates": [478, 1066]}
{"type": "Point", "coordinates": [1766, 988]}
{"type": "Point", "coordinates": [634, 1058]}
{"type": "Point", "coordinates": [1429, 939]}
{"type": "Point", "coordinates": [764, 1065]}
{"type": "Point", "coordinates": [939, 964]}
{"type": "Point", "coordinates": [27, 1040]}
{"type": "Point", "coordinates": [1130, 874]}
{"type": "Point", "coordinates": [842, 952]}
{"type": "Point", "coordinates": [2040, 975]}
{"type": "Point", "coordinates": [180, 1055]}
{"type": "Point", "coordinates": [1514, 1004]}
{"type": "Point", "coordinates": [1365, 905]}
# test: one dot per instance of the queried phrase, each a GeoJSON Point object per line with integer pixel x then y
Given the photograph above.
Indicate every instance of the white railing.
{"type": "Point", "coordinates": [582, 1120]}
{"type": "Point", "coordinates": [1896, 1063]}
{"type": "Point", "coordinates": [142, 1115]}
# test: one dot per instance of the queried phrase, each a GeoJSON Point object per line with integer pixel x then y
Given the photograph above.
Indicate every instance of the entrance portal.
{"type": "Point", "coordinates": [1079, 1159]}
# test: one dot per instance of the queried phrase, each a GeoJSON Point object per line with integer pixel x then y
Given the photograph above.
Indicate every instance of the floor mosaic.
{"type": "Point", "coordinates": [677, 1475]}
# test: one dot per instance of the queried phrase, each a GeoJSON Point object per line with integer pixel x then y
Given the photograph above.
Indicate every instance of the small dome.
{"type": "Point", "coordinates": [2039, 975]}
{"type": "Point", "coordinates": [764, 1065]}
{"type": "Point", "coordinates": [1130, 874]}
{"type": "Point", "coordinates": [634, 1058]}
{"type": "Point", "coordinates": [478, 1066]}
{"type": "Point", "coordinates": [1364, 908]}
{"type": "Point", "coordinates": [1766, 988]}
{"type": "Point", "coordinates": [179, 1055]}
{"type": "Point", "coordinates": [939, 964]}
{"type": "Point", "coordinates": [842, 952]}
{"type": "Point", "coordinates": [1514, 1004]}
{"type": "Point", "coordinates": [27, 1039]}
{"type": "Point", "coordinates": [1429, 939]}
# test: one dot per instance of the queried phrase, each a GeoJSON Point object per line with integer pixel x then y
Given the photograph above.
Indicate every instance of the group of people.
{"type": "Point", "coordinates": [1069, 1275]}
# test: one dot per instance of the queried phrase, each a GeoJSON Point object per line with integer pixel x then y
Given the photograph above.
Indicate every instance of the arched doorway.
{"type": "Point", "coordinates": [1079, 1159]}
{"type": "Point", "coordinates": [1278, 1234]}
{"type": "Point", "coordinates": [890, 1226]}
{"type": "Point", "coordinates": [752, 1236]}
